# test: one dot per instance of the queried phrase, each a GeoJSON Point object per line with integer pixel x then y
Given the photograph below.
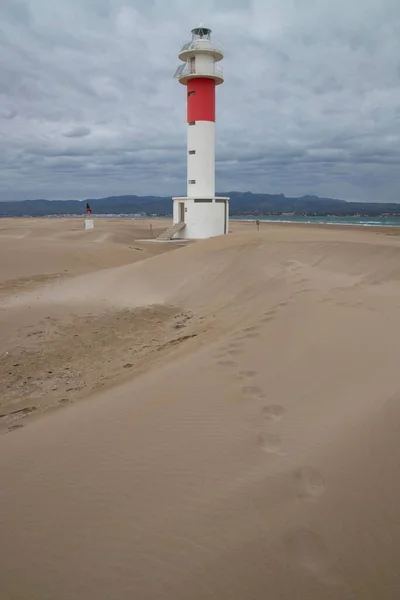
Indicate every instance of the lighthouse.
{"type": "Point", "coordinates": [200, 214]}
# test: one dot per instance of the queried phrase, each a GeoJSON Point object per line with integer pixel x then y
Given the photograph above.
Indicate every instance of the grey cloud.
{"type": "Point", "coordinates": [88, 105]}
{"type": "Point", "coordinates": [77, 132]}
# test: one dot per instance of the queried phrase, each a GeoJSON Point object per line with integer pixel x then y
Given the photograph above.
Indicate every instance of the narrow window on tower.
{"type": "Point", "coordinates": [192, 93]}
{"type": "Point", "coordinates": [192, 123]}
{"type": "Point", "coordinates": [192, 181]}
{"type": "Point", "coordinates": [192, 151]}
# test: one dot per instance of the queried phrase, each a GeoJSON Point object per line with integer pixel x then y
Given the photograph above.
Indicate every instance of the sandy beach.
{"type": "Point", "coordinates": [218, 419]}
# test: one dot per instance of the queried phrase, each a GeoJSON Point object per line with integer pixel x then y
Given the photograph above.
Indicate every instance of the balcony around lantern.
{"type": "Point", "coordinates": [201, 45]}
{"type": "Point", "coordinates": [186, 71]}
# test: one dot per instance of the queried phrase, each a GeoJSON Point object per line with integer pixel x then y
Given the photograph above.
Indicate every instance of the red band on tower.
{"type": "Point", "coordinates": [201, 99]}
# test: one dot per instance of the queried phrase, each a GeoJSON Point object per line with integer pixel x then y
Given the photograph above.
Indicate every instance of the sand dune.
{"type": "Point", "coordinates": [248, 450]}
{"type": "Point", "coordinates": [61, 246]}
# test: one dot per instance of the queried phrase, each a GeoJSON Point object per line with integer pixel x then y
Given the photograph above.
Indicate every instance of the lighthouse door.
{"type": "Point", "coordinates": [181, 212]}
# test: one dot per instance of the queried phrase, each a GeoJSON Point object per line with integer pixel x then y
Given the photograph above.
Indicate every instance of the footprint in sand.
{"type": "Point", "coordinates": [232, 349]}
{"type": "Point", "coordinates": [308, 551]}
{"type": "Point", "coordinates": [248, 373]}
{"type": "Point", "coordinates": [234, 345]}
{"type": "Point", "coordinates": [251, 329]}
{"type": "Point", "coordinates": [234, 352]}
{"type": "Point", "coordinates": [249, 335]}
{"type": "Point", "coordinates": [292, 266]}
{"type": "Point", "coordinates": [250, 332]}
{"type": "Point", "coordinates": [350, 304]}
{"type": "Point", "coordinates": [227, 363]}
{"type": "Point", "coordinates": [273, 412]}
{"type": "Point", "coordinates": [310, 482]}
{"type": "Point", "coordinates": [253, 391]}
{"type": "Point", "coordinates": [269, 442]}
{"type": "Point", "coordinates": [267, 318]}
{"type": "Point", "coordinates": [243, 375]}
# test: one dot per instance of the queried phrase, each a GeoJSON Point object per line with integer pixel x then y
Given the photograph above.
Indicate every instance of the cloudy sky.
{"type": "Point", "coordinates": [89, 107]}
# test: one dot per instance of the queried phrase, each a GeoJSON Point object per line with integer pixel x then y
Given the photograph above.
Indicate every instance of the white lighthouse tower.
{"type": "Point", "coordinates": [200, 214]}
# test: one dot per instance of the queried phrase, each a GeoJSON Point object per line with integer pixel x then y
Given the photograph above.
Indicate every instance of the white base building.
{"type": "Point", "coordinates": [202, 217]}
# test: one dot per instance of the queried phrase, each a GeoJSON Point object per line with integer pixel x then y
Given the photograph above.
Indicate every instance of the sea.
{"type": "Point", "coordinates": [364, 221]}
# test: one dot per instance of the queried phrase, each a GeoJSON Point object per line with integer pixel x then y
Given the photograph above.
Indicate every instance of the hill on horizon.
{"type": "Point", "coordinates": [241, 203]}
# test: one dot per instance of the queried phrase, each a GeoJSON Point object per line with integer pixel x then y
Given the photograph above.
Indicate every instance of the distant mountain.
{"type": "Point", "coordinates": [241, 203]}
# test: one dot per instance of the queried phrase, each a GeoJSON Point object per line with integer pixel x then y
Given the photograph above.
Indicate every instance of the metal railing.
{"type": "Point", "coordinates": [193, 45]}
{"type": "Point", "coordinates": [187, 69]}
